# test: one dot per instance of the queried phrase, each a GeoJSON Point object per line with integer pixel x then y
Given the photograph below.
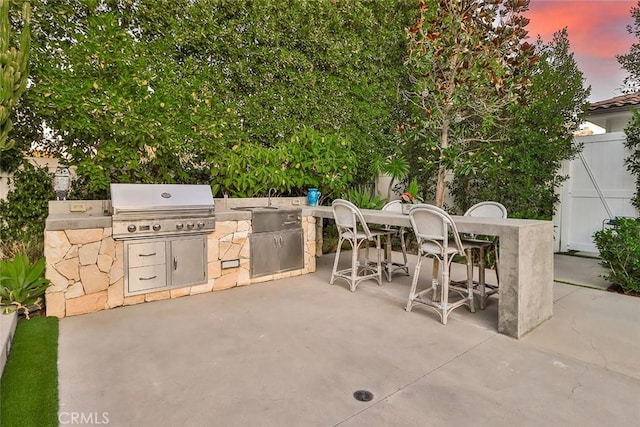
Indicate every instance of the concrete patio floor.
{"type": "Point", "coordinates": [292, 352]}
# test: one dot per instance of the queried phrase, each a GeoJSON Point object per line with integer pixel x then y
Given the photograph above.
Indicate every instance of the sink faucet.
{"type": "Point", "coordinates": [271, 191]}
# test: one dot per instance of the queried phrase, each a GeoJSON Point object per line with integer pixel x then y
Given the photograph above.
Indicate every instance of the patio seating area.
{"type": "Point", "coordinates": [294, 351]}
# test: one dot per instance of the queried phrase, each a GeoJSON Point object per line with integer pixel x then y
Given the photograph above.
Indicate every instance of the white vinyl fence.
{"type": "Point", "coordinates": [599, 188]}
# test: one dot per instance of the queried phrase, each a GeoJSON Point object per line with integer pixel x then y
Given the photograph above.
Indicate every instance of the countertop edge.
{"type": "Point", "coordinates": [78, 222]}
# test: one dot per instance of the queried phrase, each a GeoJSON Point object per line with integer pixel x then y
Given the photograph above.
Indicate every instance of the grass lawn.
{"type": "Point", "coordinates": [29, 387]}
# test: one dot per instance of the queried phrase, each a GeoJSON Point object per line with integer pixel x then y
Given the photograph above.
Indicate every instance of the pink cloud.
{"type": "Point", "coordinates": [596, 28]}
{"type": "Point", "coordinates": [597, 33]}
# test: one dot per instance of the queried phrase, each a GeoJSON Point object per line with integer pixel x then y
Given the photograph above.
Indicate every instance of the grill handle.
{"type": "Point", "coordinates": [175, 263]}
{"type": "Point", "coordinates": [153, 254]}
{"type": "Point", "coordinates": [148, 278]}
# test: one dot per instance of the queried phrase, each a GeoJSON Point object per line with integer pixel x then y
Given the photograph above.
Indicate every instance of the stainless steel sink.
{"type": "Point", "coordinates": [273, 218]}
{"type": "Point", "coordinates": [278, 219]}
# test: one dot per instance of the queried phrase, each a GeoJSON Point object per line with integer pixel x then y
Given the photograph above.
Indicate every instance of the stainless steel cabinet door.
{"type": "Point", "coordinates": [276, 252]}
{"type": "Point", "coordinates": [291, 250]}
{"type": "Point", "coordinates": [265, 253]}
{"type": "Point", "coordinates": [188, 261]}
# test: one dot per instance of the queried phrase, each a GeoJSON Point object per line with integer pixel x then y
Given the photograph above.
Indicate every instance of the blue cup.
{"type": "Point", "coordinates": [312, 196]}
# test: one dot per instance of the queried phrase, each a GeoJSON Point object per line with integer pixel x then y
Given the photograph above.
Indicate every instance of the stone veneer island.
{"type": "Point", "coordinates": [86, 265]}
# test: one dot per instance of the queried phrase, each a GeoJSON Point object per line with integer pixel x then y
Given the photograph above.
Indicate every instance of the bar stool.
{"type": "Point", "coordinates": [391, 267]}
{"type": "Point", "coordinates": [481, 247]}
{"type": "Point", "coordinates": [353, 228]}
{"type": "Point", "coordinates": [432, 227]}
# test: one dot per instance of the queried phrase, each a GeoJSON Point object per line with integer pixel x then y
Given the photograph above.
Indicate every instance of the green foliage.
{"type": "Point", "coordinates": [633, 160]}
{"type": "Point", "coordinates": [364, 198]}
{"type": "Point", "coordinates": [397, 167]}
{"type": "Point", "coordinates": [630, 62]}
{"type": "Point", "coordinates": [523, 168]}
{"type": "Point", "coordinates": [22, 284]}
{"type": "Point", "coordinates": [13, 68]}
{"type": "Point", "coordinates": [412, 193]}
{"type": "Point", "coordinates": [309, 159]}
{"type": "Point", "coordinates": [30, 378]}
{"type": "Point", "coordinates": [25, 210]}
{"type": "Point", "coordinates": [620, 253]}
{"type": "Point", "coordinates": [466, 62]}
{"type": "Point", "coordinates": [330, 236]}
{"type": "Point", "coordinates": [170, 91]}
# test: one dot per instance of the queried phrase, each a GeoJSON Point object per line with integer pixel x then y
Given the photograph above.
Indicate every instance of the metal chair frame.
{"type": "Point", "coordinates": [391, 267]}
{"type": "Point", "coordinates": [353, 228]}
{"type": "Point", "coordinates": [480, 247]}
{"type": "Point", "coordinates": [432, 227]}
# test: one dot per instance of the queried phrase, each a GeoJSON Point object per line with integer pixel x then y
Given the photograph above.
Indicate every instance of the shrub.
{"type": "Point", "coordinates": [364, 198]}
{"type": "Point", "coordinates": [22, 284]}
{"type": "Point", "coordinates": [161, 91]}
{"type": "Point", "coordinates": [23, 214]}
{"type": "Point", "coordinates": [620, 252]}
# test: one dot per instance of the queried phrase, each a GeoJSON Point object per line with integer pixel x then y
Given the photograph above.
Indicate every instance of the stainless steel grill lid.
{"type": "Point", "coordinates": [161, 197]}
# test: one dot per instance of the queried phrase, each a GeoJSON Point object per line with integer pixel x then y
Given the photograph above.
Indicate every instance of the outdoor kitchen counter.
{"type": "Point", "coordinates": [77, 215]}
{"type": "Point", "coordinates": [237, 214]}
{"type": "Point", "coordinates": [85, 214]}
{"type": "Point", "coordinates": [86, 260]}
{"type": "Point", "coordinates": [74, 221]}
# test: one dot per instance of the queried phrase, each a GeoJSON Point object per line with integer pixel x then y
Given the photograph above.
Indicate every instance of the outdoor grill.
{"type": "Point", "coordinates": [164, 228]}
{"type": "Point", "coordinates": [146, 210]}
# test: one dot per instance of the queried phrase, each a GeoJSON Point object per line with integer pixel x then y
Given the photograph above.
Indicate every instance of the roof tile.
{"type": "Point", "coordinates": [616, 102]}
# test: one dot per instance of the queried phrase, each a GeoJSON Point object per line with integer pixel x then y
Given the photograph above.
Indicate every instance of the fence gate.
{"type": "Point", "coordinates": [599, 188]}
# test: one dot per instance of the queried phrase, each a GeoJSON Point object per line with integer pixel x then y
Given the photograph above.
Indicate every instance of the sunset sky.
{"type": "Point", "coordinates": [597, 33]}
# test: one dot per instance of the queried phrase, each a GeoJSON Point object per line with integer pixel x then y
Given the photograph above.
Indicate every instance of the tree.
{"type": "Point", "coordinates": [13, 68]}
{"type": "Point", "coordinates": [632, 143]}
{"type": "Point", "coordinates": [631, 60]}
{"type": "Point", "coordinates": [539, 140]}
{"type": "Point", "coordinates": [631, 63]}
{"type": "Point", "coordinates": [465, 61]}
{"type": "Point", "coordinates": [173, 90]}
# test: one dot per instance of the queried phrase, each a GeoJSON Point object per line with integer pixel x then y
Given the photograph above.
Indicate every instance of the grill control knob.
{"type": "Point", "coordinates": [131, 228]}
{"type": "Point", "coordinates": [179, 226]}
{"type": "Point", "coordinates": [156, 227]}
{"type": "Point", "coordinates": [190, 225]}
{"type": "Point", "coordinates": [201, 224]}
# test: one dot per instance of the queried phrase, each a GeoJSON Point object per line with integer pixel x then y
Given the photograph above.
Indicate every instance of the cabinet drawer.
{"type": "Point", "coordinates": [148, 277]}
{"type": "Point", "coordinates": [148, 253]}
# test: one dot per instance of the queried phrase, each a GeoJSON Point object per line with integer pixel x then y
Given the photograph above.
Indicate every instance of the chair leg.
{"type": "Point", "coordinates": [414, 284]}
{"type": "Point", "coordinates": [388, 265]}
{"type": "Point", "coordinates": [472, 307]}
{"type": "Point", "coordinates": [481, 277]}
{"type": "Point", "coordinates": [444, 291]}
{"type": "Point", "coordinates": [336, 260]}
{"type": "Point", "coordinates": [379, 260]}
{"type": "Point", "coordinates": [496, 261]}
{"type": "Point", "coordinates": [403, 243]}
{"type": "Point", "coordinates": [435, 272]}
{"type": "Point", "coordinates": [355, 249]}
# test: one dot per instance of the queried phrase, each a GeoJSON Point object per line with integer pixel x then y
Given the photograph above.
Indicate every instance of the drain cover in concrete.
{"type": "Point", "coordinates": [363, 395]}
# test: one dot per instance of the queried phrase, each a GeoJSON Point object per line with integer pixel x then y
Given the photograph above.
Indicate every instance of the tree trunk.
{"type": "Point", "coordinates": [440, 186]}
{"type": "Point", "coordinates": [442, 170]}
